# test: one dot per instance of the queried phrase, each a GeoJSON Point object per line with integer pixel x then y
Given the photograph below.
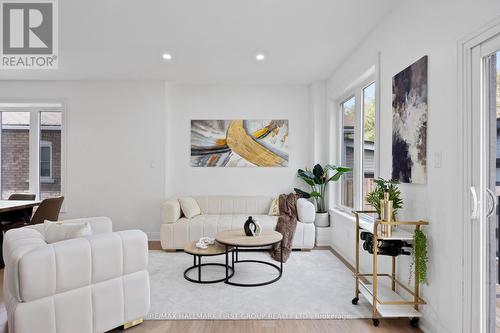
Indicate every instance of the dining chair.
{"type": "Point", "coordinates": [47, 210]}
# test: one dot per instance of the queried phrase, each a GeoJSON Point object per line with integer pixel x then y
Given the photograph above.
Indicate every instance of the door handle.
{"type": "Point", "coordinates": [493, 202]}
{"type": "Point", "coordinates": [475, 203]}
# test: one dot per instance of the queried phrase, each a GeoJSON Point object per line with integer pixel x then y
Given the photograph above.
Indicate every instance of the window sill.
{"type": "Point", "coordinates": [47, 180]}
{"type": "Point", "coordinates": [365, 221]}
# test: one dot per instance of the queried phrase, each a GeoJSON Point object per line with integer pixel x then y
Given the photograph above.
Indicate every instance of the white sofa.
{"type": "Point", "coordinates": [81, 285]}
{"type": "Point", "coordinates": [229, 212]}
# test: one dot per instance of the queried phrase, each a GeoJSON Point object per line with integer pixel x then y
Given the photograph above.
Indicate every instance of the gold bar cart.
{"type": "Point", "coordinates": [386, 302]}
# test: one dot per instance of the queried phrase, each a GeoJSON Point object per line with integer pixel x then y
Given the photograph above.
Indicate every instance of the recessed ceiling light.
{"type": "Point", "coordinates": [166, 56]}
{"type": "Point", "coordinates": [260, 57]}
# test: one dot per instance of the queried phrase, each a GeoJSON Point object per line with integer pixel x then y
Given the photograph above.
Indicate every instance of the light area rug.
{"type": "Point", "coordinates": [314, 285]}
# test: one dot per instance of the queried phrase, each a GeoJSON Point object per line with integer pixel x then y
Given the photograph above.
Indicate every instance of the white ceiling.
{"type": "Point", "coordinates": [212, 41]}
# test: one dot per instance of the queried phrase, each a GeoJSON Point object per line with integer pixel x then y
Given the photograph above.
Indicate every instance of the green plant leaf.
{"type": "Point", "coordinates": [315, 194]}
{"type": "Point", "coordinates": [305, 174]}
{"type": "Point", "coordinates": [301, 193]}
{"type": "Point", "coordinates": [319, 174]}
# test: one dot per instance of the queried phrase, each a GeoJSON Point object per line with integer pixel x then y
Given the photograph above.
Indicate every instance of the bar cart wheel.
{"type": "Point", "coordinates": [376, 322]}
{"type": "Point", "coordinates": [414, 322]}
{"type": "Point", "coordinates": [355, 301]}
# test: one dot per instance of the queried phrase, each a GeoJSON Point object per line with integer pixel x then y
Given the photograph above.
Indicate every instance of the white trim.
{"type": "Point", "coordinates": [464, 162]}
{"type": "Point", "coordinates": [49, 178]}
{"type": "Point", "coordinates": [355, 90]}
{"type": "Point", "coordinates": [153, 235]}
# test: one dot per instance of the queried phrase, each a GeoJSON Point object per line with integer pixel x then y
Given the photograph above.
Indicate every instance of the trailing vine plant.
{"type": "Point", "coordinates": [419, 257]}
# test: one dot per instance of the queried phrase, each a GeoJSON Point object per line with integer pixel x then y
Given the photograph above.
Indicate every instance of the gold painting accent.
{"type": "Point", "coordinates": [239, 143]}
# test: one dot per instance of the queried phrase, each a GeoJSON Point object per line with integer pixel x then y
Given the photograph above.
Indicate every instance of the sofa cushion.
{"type": "Point", "coordinates": [58, 231]}
{"type": "Point", "coordinates": [209, 225]}
{"type": "Point", "coordinates": [170, 211]}
{"type": "Point", "coordinates": [189, 207]}
{"type": "Point", "coordinates": [250, 205]}
{"type": "Point", "coordinates": [274, 210]}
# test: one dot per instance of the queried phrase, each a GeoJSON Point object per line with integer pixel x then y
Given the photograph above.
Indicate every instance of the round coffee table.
{"type": "Point", "coordinates": [235, 239]}
{"type": "Point", "coordinates": [212, 250]}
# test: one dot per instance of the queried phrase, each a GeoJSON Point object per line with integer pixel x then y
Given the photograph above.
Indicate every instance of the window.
{"type": "Point", "coordinates": [30, 149]}
{"type": "Point", "coordinates": [369, 136]}
{"type": "Point", "coordinates": [358, 146]}
{"type": "Point", "coordinates": [45, 161]}
{"type": "Point", "coordinates": [50, 154]}
{"type": "Point", "coordinates": [15, 153]}
{"type": "Point", "coordinates": [348, 120]}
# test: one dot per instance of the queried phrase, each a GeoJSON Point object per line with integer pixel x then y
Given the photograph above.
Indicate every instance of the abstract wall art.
{"type": "Point", "coordinates": [409, 123]}
{"type": "Point", "coordinates": [239, 143]}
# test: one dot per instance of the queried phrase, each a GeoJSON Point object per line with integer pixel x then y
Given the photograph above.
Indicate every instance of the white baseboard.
{"type": "Point", "coordinates": [153, 235]}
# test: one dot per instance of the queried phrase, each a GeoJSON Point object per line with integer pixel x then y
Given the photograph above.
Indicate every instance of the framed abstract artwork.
{"type": "Point", "coordinates": [409, 123]}
{"type": "Point", "coordinates": [239, 143]}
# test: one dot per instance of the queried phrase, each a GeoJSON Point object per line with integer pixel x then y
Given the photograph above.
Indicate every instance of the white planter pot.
{"type": "Point", "coordinates": [322, 220]}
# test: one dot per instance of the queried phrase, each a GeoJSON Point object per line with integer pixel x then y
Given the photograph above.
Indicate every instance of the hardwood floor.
{"type": "Point", "coordinates": [250, 326]}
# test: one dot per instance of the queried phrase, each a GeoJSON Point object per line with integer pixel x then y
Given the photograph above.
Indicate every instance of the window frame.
{"type": "Point", "coordinates": [356, 90]}
{"type": "Point", "coordinates": [49, 178]}
{"type": "Point", "coordinates": [341, 144]}
{"type": "Point", "coordinates": [35, 108]}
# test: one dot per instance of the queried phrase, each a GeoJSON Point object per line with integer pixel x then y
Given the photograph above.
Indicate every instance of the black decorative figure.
{"type": "Point", "coordinates": [250, 227]}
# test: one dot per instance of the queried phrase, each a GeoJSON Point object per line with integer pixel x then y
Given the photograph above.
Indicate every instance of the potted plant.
{"type": "Point", "coordinates": [382, 185]}
{"type": "Point", "coordinates": [318, 179]}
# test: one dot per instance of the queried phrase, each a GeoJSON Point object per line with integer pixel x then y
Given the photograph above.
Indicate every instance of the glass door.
{"type": "Point", "coordinates": [485, 189]}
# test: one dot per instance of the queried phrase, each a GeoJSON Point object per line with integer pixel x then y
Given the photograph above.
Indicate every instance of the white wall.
{"type": "Point", "coordinates": [115, 145]}
{"type": "Point", "coordinates": [187, 102]}
{"type": "Point", "coordinates": [412, 30]}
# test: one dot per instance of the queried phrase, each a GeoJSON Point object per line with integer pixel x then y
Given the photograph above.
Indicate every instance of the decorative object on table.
{"type": "Point", "coordinates": [287, 223]}
{"type": "Point", "coordinates": [214, 250]}
{"type": "Point", "coordinates": [249, 227]}
{"type": "Point", "coordinates": [204, 242]}
{"type": "Point", "coordinates": [381, 186]}
{"type": "Point", "coordinates": [419, 258]}
{"type": "Point", "coordinates": [239, 143]}
{"type": "Point", "coordinates": [318, 179]}
{"type": "Point", "coordinates": [258, 229]}
{"type": "Point", "coordinates": [409, 123]}
{"type": "Point", "coordinates": [386, 214]}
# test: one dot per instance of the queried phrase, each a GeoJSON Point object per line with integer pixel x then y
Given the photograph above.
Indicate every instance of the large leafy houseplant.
{"type": "Point", "coordinates": [382, 185]}
{"type": "Point", "coordinates": [318, 179]}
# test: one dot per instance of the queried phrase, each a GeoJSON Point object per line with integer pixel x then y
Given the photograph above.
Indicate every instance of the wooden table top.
{"type": "Point", "coordinates": [10, 205]}
{"type": "Point", "coordinates": [238, 238]}
{"type": "Point", "coordinates": [212, 250]}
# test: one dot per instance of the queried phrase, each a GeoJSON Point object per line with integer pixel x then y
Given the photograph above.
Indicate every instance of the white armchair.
{"type": "Point", "coordinates": [90, 284]}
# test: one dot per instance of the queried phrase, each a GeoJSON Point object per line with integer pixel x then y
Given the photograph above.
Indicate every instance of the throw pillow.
{"type": "Point", "coordinates": [189, 207]}
{"type": "Point", "coordinates": [59, 231]}
{"type": "Point", "coordinates": [275, 207]}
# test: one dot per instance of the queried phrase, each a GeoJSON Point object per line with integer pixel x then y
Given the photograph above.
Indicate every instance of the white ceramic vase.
{"type": "Point", "coordinates": [322, 220]}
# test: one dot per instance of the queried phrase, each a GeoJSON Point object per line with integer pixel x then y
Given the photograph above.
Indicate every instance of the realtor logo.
{"type": "Point", "coordinates": [28, 34]}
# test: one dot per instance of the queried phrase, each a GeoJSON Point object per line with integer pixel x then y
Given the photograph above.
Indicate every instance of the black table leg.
{"type": "Point", "coordinates": [199, 268]}
{"type": "Point", "coordinates": [27, 217]}
{"type": "Point", "coordinates": [227, 263]}
{"type": "Point", "coordinates": [281, 257]}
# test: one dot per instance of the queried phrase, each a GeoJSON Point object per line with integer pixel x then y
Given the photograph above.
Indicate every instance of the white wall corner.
{"type": "Point", "coordinates": [317, 92]}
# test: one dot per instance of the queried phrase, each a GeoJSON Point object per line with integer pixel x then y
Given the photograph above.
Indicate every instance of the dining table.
{"type": "Point", "coordinates": [14, 205]}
